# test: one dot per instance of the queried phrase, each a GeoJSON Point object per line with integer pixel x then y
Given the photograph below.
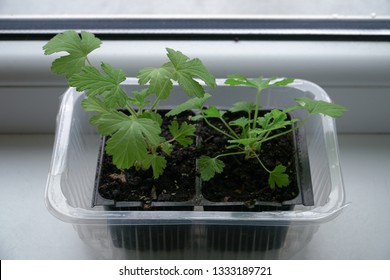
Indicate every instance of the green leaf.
{"type": "Point", "coordinates": [130, 137]}
{"type": "Point", "coordinates": [321, 107]}
{"type": "Point", "coordinates": [274, 120]}
{"type": "Point", "coordinates": [94, 83]}
{"type": "Point", "coordinates": [186, 70]}
{"type": "Point", "coordinates": [258, 83]}
{"type": "Point", "coordinates": [166, 147]}
{"type": "Point", "coordinates": [153, 116]}
{"type": "Point", "coordinates": [278, 177]}
{"type": "Point", "coordinates": [213, 112]}
{"type": "Point", "coordinates": [181, 69]}
{"type": "Point", "coordinates": [196, 118]}
{"type": "Point", "coordinates": [77, 48]}
{"type": "Point", "coordinates": [158, 164]}
{"type": "Point", "coordinates": [140, 98]}
{"type": "Point", "coordinates": [209, 166]}
{"type": "Point", "coordinates": [160, 81]}
{"type": "Point", "coordinates": [242, 122]}
{"type": "Point", "coordinates": [193, 103]}
{"type": "Point", "coordinates": [243, 106]}
{"type": "Point", "coordinates": [237, 79]}
{"type": "Point", "coordinates": [277, 82]}
{"type": "Point", "coordinates": [182, 133]}
{"type": "Point", "coordinates": [94, 104]}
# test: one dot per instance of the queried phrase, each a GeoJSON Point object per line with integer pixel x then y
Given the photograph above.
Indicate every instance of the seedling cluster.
{"type": "Point", "coordinates": [133, 123]}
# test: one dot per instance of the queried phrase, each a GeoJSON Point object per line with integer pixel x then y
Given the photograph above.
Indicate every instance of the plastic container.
{"type": "Point", "coordinates": [191, 234]}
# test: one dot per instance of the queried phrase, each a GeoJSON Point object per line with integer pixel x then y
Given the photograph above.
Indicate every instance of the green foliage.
{"type": "Point", "coordinates": [278, 177]}
{"type": "Point", "coordinates": [276, 119]}
{"type": "Point", "coordinates": [257, 130]}
{"type": "Point", "coordinates": [208, 167]}
{"type": "Point", "coordinates": [213, 112]}
{"type": "Point", "coordinates": [134, 127]}
{"type": "Point", "coordinates": [157, 162]}
{"type": "Point", "coordinates": [243, 106]}
{"type": "Point", "coordinates": [183, 133]}
{"type": "Point", "coordinates": [77, 48]}
{"type": "Point", "coordinates": [321, 107]}
{"type": "Point", "coordinates": [258, 83]}
{"type": "Point", "coordinates": [194, 103]}
{"type": "Point", "coordinates": [93, 82]}
{"type": "Point", "coordinates": [181, 69]}
{"type": "Point", "coordinates": [135, 139]}
{"type": "Point", "coordinates": [130, 137]}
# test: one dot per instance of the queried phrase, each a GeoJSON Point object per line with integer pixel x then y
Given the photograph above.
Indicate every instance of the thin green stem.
{"type": "Point", "coordinates": [261, 163]}
{"type": "Point", "coordinates": [155, 104]}
{"type": "Point", "coordinates": [229, 128]}
{"type": "Point", "coordinates": [230, 154]}
{"type": "Point", "coordinates": [288, 131]}
{"type": "Point", "coordinates": [217, 129]}
{"type": "Point", "coordinates": [131, 110]}
{"type": "Point", "coordinates": [89, 62]}
{"type": "Point", "coordinates": [256, 109]}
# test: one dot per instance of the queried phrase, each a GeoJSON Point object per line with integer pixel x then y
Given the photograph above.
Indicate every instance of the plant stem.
{"type": "Point", "coordinates": [286, 132]}
{"type": "Point", "coordinates": [155, 104]}
{"type": "Point", "coordinates": [230, 154]}
{"type": "Point", "coordinates": [216, 128]}
{"type": "Point", "coordinates": [131, 110]}
{"type": "Point", "coordinates": [229, 128]}
{"type": "Point", "coordinates": [256, 109]}
{"type": "Point", "coordinates": [261, 163]}
{"type": "Point", "coordinates": [88, 61]}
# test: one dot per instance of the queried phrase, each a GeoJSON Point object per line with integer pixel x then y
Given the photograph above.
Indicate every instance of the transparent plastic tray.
{"type": "Point", "coordinates": [71, 177]}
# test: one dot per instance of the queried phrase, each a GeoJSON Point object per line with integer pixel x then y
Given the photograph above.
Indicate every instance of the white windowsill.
{"type": "Point", "coordinates": [28, 231]}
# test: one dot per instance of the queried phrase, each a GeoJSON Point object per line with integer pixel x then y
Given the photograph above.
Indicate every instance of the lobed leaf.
{"type": "Point", "coordinates": [274, 120]}
{"type": "Point", "coordinates": [213, 112]}
{"type": "Point", "coordinates": [160, 81]}
{"type": "Point", "coordinates": [321, 107]}
{"type": "Point", "coordinates": [94, 83]}
{"type": "Point", "coordinates": [157, 162]}
{"type": "Point", "coordinates": [94, 104]}
{"type": "Point", "coordinates": [183, 133]}
{"type": "Point", "coordinates": [194, 103]}
{"type": "Point", "coordinates": [209, 166]}
{"type": "Point", "coordinates": [130, 137]}
{"type": "Point", "coordinates": [259, 83]}
{"type": "Point", "coordinates": [77, 48]}
{"type": "Point", "coordinates": [181, 69]}
{"type": "Point", "coordinates": [278, 177]}
{"type": "Point", "coordinates": [166, 147]}
{"type": "Point", "coordinates": [242, 122]}
{"type": "Point", "coordinates": [187, 69]}
{"type": "Point", "coordinates": [140, 98]}
{"type": "Point", "coordinates": [243, 106]}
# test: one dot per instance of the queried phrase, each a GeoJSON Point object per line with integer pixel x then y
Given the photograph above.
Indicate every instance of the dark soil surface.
{"type": "Point", "coordinates": [241, 181]}
{"type": "Point", "coordinates": [176, 184]}
{"type": "Point", "coordinates": [245, 180]}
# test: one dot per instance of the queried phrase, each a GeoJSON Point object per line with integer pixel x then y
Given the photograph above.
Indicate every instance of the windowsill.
{"type": "Point", "coordinates": [28, 231]}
